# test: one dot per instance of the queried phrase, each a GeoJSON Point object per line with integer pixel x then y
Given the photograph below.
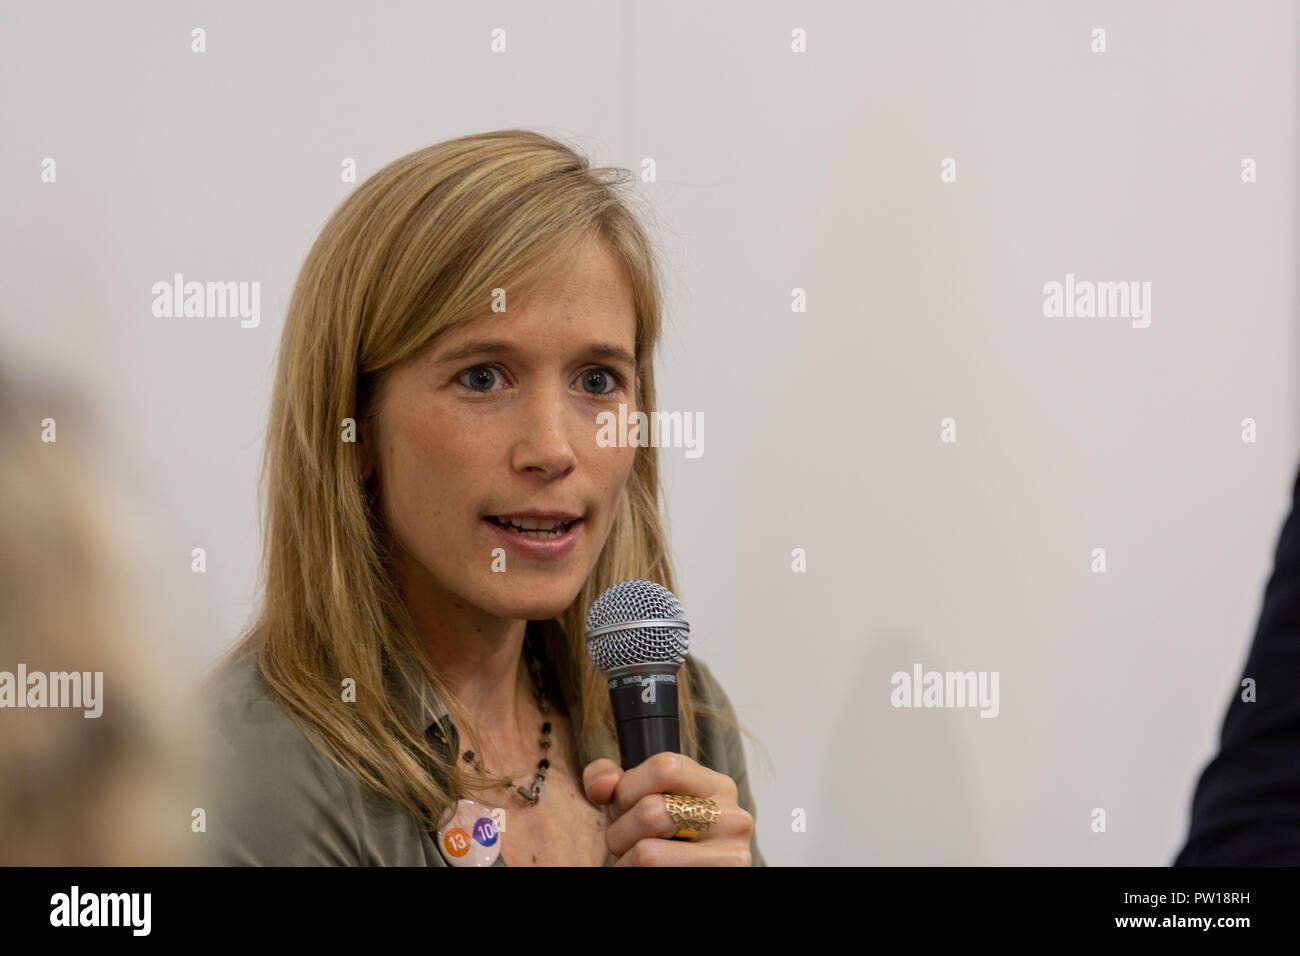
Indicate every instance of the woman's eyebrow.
{"type": "Point", "coordinates": [499, 347]}
{"type": "Point", "coordinates": [610, 351]}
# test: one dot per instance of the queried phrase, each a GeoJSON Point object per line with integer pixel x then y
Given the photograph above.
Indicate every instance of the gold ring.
{"type": "Point", "coordinates": [692, 815]}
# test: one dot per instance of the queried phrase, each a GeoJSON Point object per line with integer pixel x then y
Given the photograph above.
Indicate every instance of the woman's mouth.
{"type": "Point", "coordinates": [536, 537]}
{"type": "Point", "coordinates": [539, 529]}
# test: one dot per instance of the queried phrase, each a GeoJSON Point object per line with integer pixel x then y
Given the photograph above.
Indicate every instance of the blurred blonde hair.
{"type": "Point", "coordinates": [76, 790]}
{"type": "Point", "coordinates": [413, 252]}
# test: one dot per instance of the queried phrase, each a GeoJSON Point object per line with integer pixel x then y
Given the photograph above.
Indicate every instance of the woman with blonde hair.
{"type": "Point", "coordinates": [439, 518]}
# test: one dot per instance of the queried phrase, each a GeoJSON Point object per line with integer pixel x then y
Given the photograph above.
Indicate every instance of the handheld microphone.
{"type": "Point", "coordinates": [637, 638]}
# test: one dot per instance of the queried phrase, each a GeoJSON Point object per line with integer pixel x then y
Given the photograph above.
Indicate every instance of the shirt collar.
{"type": "Point", "coordinates": [422, 704]}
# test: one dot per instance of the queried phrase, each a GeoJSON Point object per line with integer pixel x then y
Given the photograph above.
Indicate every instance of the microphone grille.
{"type": "Point", "coordinates": [636, 622]}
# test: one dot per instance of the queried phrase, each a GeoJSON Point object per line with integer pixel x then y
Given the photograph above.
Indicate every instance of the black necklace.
{"type": "Point", "coordinates": [534, 792]}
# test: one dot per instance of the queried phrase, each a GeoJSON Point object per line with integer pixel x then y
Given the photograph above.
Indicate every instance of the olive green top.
{"type": "Point", "coordinates": [281, 802]}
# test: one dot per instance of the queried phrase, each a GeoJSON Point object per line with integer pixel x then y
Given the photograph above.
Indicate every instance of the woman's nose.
{"type": "Point", "coordinates": [543, 440]}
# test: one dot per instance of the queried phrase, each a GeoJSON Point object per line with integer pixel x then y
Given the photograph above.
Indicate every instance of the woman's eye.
{"type": "Point", "coordinates": [595, 380]}
{"type": "Point", "coordinates": [480, 378]}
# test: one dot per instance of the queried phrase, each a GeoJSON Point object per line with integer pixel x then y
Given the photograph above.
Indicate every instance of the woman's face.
{"type": "Point", "coordinates": [498, 418]}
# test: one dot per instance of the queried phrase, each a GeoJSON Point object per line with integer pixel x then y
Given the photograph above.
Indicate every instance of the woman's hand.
{"type": "Point", "coordinates": [640, 826]}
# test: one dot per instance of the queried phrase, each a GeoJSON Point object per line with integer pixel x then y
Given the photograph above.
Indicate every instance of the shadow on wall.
{"type": "Point", "coordinates": [888, 812]}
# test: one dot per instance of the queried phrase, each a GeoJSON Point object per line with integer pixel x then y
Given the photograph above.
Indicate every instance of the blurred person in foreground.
{"type": "Point", "coordinates": [99, 757]}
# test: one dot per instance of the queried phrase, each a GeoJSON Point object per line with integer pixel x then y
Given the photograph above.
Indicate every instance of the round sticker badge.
{"type": "Point", "coordinates": [469, 837]}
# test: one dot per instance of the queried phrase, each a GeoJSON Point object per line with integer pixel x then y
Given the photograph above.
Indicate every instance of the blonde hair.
{"type": "Point", "coordinates": [415, 251]}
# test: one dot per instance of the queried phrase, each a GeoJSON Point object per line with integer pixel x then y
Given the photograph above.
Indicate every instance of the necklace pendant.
{"type": "Point", "coordinates": [528, 793]}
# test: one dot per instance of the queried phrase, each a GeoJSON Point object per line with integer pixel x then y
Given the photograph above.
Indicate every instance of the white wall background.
{"type": "Point", "coordinates": [776, 170]}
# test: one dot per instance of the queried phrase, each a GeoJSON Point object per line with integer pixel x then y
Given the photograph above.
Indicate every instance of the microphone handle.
{"type": "Point", "coordinates": [645, 712]}
{"type": "Point", "coordinates": [643, 737]}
